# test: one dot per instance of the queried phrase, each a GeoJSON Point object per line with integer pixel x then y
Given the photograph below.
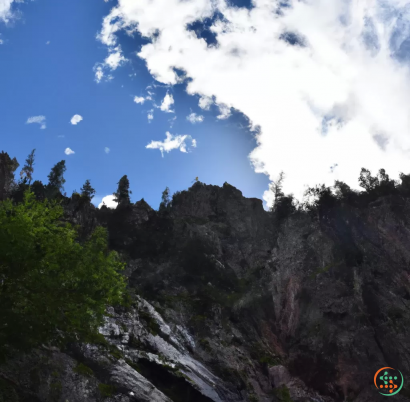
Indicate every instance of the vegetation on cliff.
{"type": "Point", "coordinates": [52, 287]}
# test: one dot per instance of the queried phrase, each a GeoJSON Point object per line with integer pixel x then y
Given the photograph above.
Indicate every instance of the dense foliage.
{"type": "Point", "coordinates": [321, 199]}
{"type": "Point", "coordinates": [52, 288]}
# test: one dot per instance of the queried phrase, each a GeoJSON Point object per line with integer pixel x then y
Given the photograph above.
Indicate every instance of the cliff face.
{"type": "Point", "coordinates": [230, 307]}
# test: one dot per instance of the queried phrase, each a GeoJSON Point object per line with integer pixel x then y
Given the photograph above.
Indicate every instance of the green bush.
{"type": "Point", "coordinates": [83, 370]}
{"type": "Point", "coordinates": [106, 390]}
{"type": "Point", "coordinates": [52, 288]}
{"type": "Point", "coordinates": [283, 394]}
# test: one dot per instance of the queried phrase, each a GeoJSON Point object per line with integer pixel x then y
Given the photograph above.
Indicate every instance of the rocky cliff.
{"type": "Point", "coordinates": [229, 306]}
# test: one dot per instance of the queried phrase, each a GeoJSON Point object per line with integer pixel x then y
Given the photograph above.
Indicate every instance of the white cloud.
{"type": "Point", "coordinates": [99, 73]}
{"type": "Point", "coordinates": [48, 42]}
{"type": "Point", "coordinates": [205, 102]}
{"type": "Point", "coordinates": [194, 143]}
{"type": "Point", "coordinates": [139, 99]}
{"type": "Point", "coordinates": [107, 150]}
{"type": "Point", "coordinates": [115, 58]}
{"type": "Point", "coordinates": [166, 103]}
{"type": "Point", "coordinates": [225, 112]}
{"type": "Point", "coordinates": [194, 118]}
{"type": "Point", "coordinates": [172, 121]}
{"type": "Point", "coordinates": [171, 142]}
{"type": "Point", "coordinates": [37, 119]}
{"type": "Point", "coordinates": [150, 115]}
{"type": "Point", "coordinates": [324, 101]}
{"type": "Point", "coordinates": [5, 10]}
{"type": "Point", "coordinates": [76, 119]}
{"type": "Point", "coordinates": [69, 151]}
{"type": "Point", "coordinates": [108, 200]}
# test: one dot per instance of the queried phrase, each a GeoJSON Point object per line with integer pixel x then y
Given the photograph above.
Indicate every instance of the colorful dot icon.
{"type": "Point", "coordinates": [389, 384]}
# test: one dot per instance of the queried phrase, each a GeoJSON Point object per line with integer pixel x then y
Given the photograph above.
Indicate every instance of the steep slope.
{"type": "Point", "coordinates": [231, 307]}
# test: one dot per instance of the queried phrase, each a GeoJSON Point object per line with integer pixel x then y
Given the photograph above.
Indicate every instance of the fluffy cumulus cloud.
{"type": "Point", "coordinates": [76, 119]}
{"type": "Point", "coordinates": [194, 118]}
{"type": "Point", "coordinates": [325, 84]}
{"type": "Point", "coordinates": [139, 99]}
{"type": "Point", "coordinates": [37, 119]}
{"type": "Point", "coordinates": [166, 104]}
{"type": "Point", "coordinates": [172, 142]}
{"type": "Point", "coordinates": [108, 201]}
{"type": "Point", "coordinates": [225, 112]}
{"type": "Point", "coordinates": [69, 151]}
{"type": "Point", "coordinates": [5, 10]}
{"type": "Point", "coordinates": [205, 102]}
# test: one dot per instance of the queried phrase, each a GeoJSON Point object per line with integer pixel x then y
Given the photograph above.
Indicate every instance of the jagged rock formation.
{"type": "Point", "coordinates": [230, 307]}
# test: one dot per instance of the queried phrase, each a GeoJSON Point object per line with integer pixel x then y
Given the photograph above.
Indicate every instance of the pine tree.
{"type": "Point", "coordinates": [87, 191]}
{"type": "Point", "coordinates": [122, 195]}
{"type": "Point", "coordinates": [166, 200]}
{"type": "Point", "coordinates": [26, 173]}
{"type": "Point", "coordinates": [276, 188]}
{"type": "Point", "coordinates": [283, 205]}
{"type": "Point", "coordinates": [7, 168]}
{"type": "Point", "coordinates": [56, 179]}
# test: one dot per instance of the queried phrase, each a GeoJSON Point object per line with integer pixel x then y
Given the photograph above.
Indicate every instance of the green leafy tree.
{"type": "Point", "coordinates": [322, 198]}
{"type": "Point", "coordinates": [367, 181]}
{"type": "Point", "coordinates": [87, 190]}
{"type": "Point", "coordinates": [386, 186]}
{"type": "Point", "coordinates": [342, 190]}
{"type": "Point", "coordinates": [165, 201]}
{"type": "Point", "coordinates": [26, 173]}
{"type": "Point", "coordinates": [56, 179]}
{"type": "Point", "coordinates": [344, 193]}
{"type": "Point", "coordinates": [379, 185]}
{"type": "Point", "coordinates": [405, 183]}
{"type": "Point", "coordinates": [122, 195]}
{"type": "Point", "coordinates": [52, 288]}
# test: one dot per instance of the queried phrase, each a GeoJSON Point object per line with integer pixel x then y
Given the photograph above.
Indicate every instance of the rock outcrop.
{"type": "Point", "coordinates": [230, 307]}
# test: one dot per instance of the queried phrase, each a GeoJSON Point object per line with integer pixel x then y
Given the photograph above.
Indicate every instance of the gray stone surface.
{"type": "Point", "coordinates": [314, 307]}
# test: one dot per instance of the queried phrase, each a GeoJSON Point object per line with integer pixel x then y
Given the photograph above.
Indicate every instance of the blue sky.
{"type": "Point", "coordinates": [319, 111]}
{"type": "Point", "coordinates": [56, 80]}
